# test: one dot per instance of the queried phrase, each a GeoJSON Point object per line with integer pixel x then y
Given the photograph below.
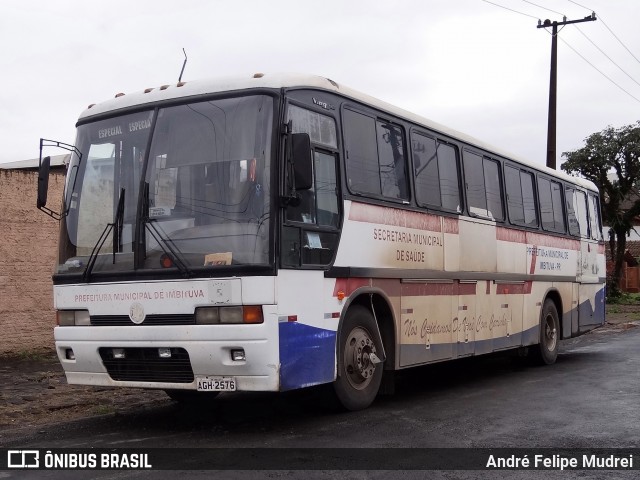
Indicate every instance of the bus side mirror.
{"type": "Point", "coordinates": [43, 188]}
{"type": "Point", "coordinates": [43, 182]}
{"type": "Point", "coordinates": [302, 161]}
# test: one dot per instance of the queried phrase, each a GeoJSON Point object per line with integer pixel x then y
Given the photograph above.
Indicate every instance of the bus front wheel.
{"type": "Point", "coordinates": [547, 351]}
{"type": "Point", "coordinates": [359, 367]}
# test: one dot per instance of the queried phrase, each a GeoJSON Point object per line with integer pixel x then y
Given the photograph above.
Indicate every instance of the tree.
{"type": "Point", "coordinates": [605, 152]}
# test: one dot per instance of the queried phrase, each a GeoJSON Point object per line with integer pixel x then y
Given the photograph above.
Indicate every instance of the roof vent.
{"type": "Point", "coordinates": [164, 87]}
{"type": "Point", "coordinates": [180, 84]}
{"type": "Point", "coordinates": [119, 95]}
{"type": "Point", "coordinates": [147, 90]}
{"type": "Point", "coordinates": [258, 75]}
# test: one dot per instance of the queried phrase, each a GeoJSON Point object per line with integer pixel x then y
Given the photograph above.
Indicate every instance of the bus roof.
{"type": "Point", "coordinates": [278, 81]}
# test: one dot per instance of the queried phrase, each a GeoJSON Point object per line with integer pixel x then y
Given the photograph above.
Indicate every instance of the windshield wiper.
{"type": "Point", "coordinates": [164, 243]}
{"type": "Point", "coordinates": [116, 227]}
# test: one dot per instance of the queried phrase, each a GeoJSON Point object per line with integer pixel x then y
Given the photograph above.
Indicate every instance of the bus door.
{"type": "Point", "coordinates": [588, 267]}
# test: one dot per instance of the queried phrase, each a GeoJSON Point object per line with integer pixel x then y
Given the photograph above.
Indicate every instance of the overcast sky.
{"type": "Point", "coordinates": [467, 64]}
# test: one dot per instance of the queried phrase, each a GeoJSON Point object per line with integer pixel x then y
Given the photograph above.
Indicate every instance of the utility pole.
{"type": "Point", "coordinates": [553, 83]}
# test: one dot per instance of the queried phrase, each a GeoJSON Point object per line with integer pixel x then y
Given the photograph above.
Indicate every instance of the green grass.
{"type": "Point", "coordinates": [625, 299]}
{"type": "Point", "coordinates": [35, 355]}
{"type": "Point", "coordinates": [103, 409]}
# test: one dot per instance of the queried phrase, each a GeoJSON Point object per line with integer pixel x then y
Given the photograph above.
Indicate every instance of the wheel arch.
{"type": "Point", "coordinates": [382, 313]}
{"type": "Point", "coordinates": [554, 295]}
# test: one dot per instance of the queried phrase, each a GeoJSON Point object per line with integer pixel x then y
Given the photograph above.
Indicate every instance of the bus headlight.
{"type": "Point", "coordinates": [208, 315]}
{"type": "Point", "coordinates": [228, 315]}
{"type": "Point", "coordinates": [70, 318]}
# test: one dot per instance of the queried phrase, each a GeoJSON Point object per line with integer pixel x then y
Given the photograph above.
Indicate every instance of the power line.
{"type": "Point", "coordinates": [616, 37]}
{"type": "Point", "coordinates": [598, 70]}
{"type": "Point", "coordinates": [610, 31]}
{"type": "Point", "coordinates": [544, 8]}
{"type": "Point", "coordinates": [576, 3]}
{"type": "Point", "coordinates": [511, 9]}
{"type": "Point", "coordinates": [610, 59]}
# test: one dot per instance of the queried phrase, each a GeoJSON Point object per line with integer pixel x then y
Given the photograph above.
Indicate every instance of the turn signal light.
{"type": "Point", "coordinates": [252, 315]}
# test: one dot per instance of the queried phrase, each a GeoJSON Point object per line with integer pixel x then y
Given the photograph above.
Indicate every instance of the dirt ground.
{"type": "Point", "coordinates": [34, 391]}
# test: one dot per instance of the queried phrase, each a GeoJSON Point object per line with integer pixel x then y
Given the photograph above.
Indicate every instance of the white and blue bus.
{"type": "Point", "coordinates": [275, 232]}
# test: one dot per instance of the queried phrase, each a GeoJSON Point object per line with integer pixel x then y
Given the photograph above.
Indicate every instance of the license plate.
{"type": "Point", "coordinates": [216, 384]}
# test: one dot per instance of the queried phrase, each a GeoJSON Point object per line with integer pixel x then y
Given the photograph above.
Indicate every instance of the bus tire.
{"type": "Point", "coordinates": [359, 378]}
{"type": "Point", "coordinates": [547, 351]}
{"type": "Point", "coordinates": [191, 396]}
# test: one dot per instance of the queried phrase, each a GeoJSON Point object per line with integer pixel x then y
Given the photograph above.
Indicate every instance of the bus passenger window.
{"type": "Point", "coordinates": [376, 162]}
{"type": "Point", "coordinates": [594, 216]}
{"type": "Point", "coordinates": [393, 177]}
{"type": "Point", "coordinates": [520, 197]}
{"type": "Point", "coordinates": [436, 173]}
{"type": "Point", "coordinates": [482, 181]}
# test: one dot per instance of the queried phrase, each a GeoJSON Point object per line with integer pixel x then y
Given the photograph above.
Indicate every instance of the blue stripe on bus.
{"type": "Point", "coordinates": [590, 315]}
{"type": "Point", "coordinates": [307, 355]}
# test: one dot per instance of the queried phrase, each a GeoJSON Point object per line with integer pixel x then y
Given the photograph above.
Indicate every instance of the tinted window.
{"type": "Point", "coordinates": [528, 200]}
{"type": "Point", "coordinates": [474, 184]}
{"type": "Point", "coordinates": [550, 196]}
{"type": "Point", "coordinates": [494, 192]}
{"type": "Point", "coordinates": [425, 162]}
{"type": "Point", "coordinates": [558, 216]}
{"type": "Point", "coordinates": [375, 157]}
{"type": "Point", "coordinates": [436, 173]}
{"type": "Point", "coordinates": [574, 228]}
{"type": "Point", "coordinates": [393, 176]}
{"type": "Point", "coordinates": [363, 175]}
{"type": "Point", "coordinates": [520, 198]}
{"type": "Point", "coordinates": [449, 183]}
{"type": "Point", "coordinates": [594, 215]}
{"type": "Point", "coordinates": [482, 182]}
{"type": "Point", "coordinates": [514, 195]}
{"type": "Point", "coordinates": [577, 212]}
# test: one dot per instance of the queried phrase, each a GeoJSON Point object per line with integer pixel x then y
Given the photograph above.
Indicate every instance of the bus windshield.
{"type": "Point", "coordinates": [188, 188]}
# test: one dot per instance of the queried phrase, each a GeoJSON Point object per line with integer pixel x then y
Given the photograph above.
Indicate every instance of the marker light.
{"type": "Point", "coordinates": [166, 261]}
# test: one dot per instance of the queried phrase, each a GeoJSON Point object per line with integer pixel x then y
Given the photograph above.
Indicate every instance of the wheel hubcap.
{"type": "Point", "coordinates": [358, 363]}
{"type": "Point", "coordinates": [550, 333]}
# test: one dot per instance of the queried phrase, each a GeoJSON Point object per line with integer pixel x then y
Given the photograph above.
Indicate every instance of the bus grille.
{"type": "Point", "coordinates": [124, 320]}
{"type": "Point", "coordinates": [146, 365]}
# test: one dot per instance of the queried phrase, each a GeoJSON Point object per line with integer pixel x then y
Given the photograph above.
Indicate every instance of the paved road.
{"type": "Point", "coordinates": [589, 399]}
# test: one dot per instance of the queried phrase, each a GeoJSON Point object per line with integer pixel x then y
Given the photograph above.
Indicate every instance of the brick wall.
{"type": "Point", "coordinates": [28, 251]}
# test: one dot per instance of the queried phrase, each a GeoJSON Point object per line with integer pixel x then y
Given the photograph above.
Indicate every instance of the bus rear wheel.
{"type": "Point", "coordinates": [359, 367]}
{"type": "Point", "coordinates": [547, 351]}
